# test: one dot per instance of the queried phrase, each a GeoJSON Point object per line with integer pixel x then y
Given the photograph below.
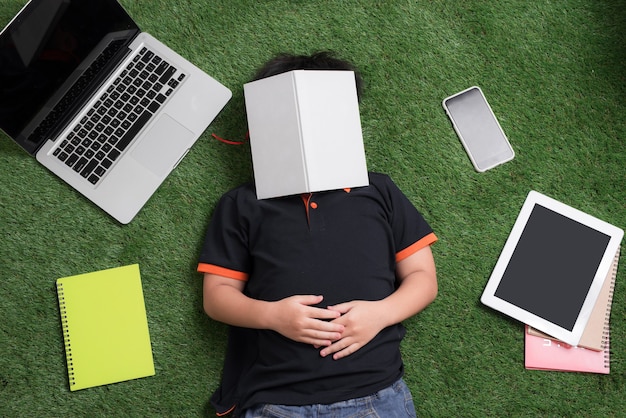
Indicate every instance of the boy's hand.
{"type": "Point", "coordinates": [362, 321]}
{"type": "Point", "coordinates": [294, 318]}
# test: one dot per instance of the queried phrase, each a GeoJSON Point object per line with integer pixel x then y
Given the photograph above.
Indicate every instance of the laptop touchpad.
{"type": "Point", "coordinates": [163, 145]}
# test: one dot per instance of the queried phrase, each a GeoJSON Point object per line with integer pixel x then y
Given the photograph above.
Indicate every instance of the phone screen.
{"type": "Point", "coordinates": [478, 129]}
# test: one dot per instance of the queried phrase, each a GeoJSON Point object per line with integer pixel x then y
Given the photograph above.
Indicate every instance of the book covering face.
{"type": "Point", "coordinates": [305, 133]}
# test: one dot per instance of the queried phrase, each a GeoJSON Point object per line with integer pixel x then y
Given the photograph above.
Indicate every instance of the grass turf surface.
{"type": "Point", "coordinates": [554, 75]}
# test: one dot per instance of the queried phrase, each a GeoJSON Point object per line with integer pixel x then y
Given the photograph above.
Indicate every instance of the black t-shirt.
{"type": "Point", "coordinates": [341, 244]}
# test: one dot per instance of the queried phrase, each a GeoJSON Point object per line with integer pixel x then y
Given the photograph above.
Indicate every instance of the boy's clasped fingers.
{"type": "Point", "coordinates": [321, 330]}
{"type": "Point", "coordinates": [297, 319]}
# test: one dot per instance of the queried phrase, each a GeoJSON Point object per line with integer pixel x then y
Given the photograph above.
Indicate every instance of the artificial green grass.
{"type": "Point", "coordinates": [554, 75]}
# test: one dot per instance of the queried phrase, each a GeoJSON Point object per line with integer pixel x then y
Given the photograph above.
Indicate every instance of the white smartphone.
{"type": "Point", "coordinates": [478, 129]}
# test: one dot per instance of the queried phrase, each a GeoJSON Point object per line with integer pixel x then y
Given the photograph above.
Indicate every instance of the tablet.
{"type": "Point", "coordinates": [552, 267]}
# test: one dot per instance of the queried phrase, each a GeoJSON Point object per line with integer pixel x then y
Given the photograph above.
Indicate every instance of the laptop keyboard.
{"type": "Point", "coordinates": [98, 140]}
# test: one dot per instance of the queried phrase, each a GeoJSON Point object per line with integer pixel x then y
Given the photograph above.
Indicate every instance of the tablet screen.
{"type": "Point", "coordinates": [552, 267]}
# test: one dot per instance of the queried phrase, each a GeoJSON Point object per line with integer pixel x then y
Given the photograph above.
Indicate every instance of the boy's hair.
{"type": "Point", "coordinates": [323, 60]}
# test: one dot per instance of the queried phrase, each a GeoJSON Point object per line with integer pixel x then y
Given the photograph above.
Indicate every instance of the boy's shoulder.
{"type": "Point", "coordinates": [381, 182]}
{"type": "Point", "coordinates": [378, 178]}
{"type": "Point", "coordinates": [243, 190]}
{"type": "Point", "coordinates": [243, 195]}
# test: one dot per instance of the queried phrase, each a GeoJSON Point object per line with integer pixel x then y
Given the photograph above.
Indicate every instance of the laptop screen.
{"type": "Point", "coordinates": [44, 51]}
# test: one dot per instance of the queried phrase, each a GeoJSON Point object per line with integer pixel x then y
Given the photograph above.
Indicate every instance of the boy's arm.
{"type": "Point", "coordinates": [363, 320]}
{"type": "Point", "coordinates": [293, 317]}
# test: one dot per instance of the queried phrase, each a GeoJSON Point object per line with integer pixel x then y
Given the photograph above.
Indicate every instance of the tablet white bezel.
{"type": "Point", "coordinates": [490, 299]}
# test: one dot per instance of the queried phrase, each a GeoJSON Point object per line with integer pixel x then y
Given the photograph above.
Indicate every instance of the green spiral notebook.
{"type": "Point", "coordinates": [105, 327]}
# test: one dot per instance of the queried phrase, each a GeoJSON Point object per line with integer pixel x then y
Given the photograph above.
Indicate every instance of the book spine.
{"type": "Point", "coordinates": [66, 335]}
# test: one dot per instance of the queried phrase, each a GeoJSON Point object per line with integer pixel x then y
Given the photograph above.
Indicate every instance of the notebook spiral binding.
{"type": "Point", "coordinates": [606, 333]}
{"type": "Point", "coordinates": [66, 335]}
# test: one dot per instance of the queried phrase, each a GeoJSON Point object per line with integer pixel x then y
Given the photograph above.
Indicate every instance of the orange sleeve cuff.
{"type": "Point", "coordinates": [221, 271]}
{"type": "Point", "coordinates": [415, 247]}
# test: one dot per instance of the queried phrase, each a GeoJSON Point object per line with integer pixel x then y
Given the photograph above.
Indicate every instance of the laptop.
{"type": "Point", "coordinates": [107, 108]}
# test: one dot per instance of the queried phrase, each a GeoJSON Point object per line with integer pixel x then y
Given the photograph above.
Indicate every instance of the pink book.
{"type": "Point", "coordinates": [548, 354]}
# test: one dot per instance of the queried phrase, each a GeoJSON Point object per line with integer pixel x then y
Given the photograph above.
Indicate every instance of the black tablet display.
{"type": "Point", "coordinates": [552, 267]}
